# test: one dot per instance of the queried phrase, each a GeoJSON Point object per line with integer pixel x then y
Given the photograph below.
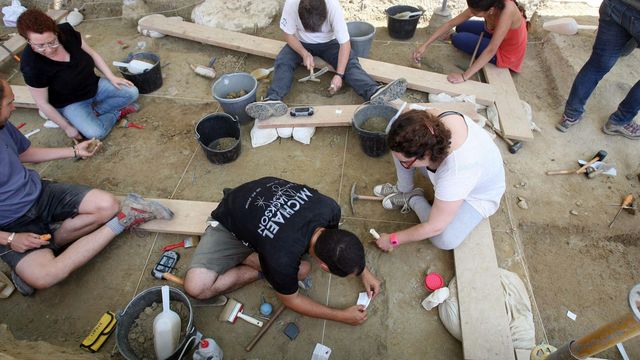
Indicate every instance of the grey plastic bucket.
{"type": "Point", "coordinates": [235, 82]}
{"type": "Point", "coordinates": [215, 126]}
{"type": "Point", "coordinates": [127, 317]}
{"type": "Point", "coordinates": [150, 80]}
{"type": "Point", "coordinates": [373, 144]}
{"type": "Point", "coordinates": [361, 34]}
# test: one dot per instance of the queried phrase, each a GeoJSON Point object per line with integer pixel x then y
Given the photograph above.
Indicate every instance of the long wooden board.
{"type": "Point", "coordinates": [513, 120]}
{"type": "Point", "coordinates": [380, 71]}
{"type": "Point", "coordinates": [23, 98]}
{"type": "Point", "coordinates": [341, 115]}
{"type": "Point", "coordinates": [17, 42]}
{"type": "Point", "coordinates": [483, 317]}
{"type": "Point", "coordinates": [190, 217]}
{"type": "Point", "coordinates": [526, 355]}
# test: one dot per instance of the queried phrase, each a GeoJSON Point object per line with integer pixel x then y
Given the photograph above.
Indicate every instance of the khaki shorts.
{"type": "Point", "coordinates": [219, 250]}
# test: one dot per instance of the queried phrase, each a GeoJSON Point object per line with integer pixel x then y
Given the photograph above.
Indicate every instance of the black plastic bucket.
{"type": "Point", "coordinates": [402, 28]}
{"type": "Point", "coordinates": [146, 298]}
{"type": "Point", "coordinates": [373, 144]}
{"type": "Point", "coordinates": [216, 126]}
{"type": "Point", "coordinates": [150, 80]}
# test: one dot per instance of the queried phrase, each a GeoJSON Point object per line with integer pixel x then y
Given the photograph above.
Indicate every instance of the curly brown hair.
{"type": "Point", "coordinates": [36, 21]}
{"type": "Point", "coordinates": [419, 133]}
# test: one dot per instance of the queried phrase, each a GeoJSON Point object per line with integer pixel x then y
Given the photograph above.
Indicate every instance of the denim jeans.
{"type": "Point", "coordinates": [95, 117]}
{"type": "Point", "coordinates": [467, 35]}
{"type": "Point", "coordinates": [287, 61]}
{"type": "Point", "coordinates": [618, 23]}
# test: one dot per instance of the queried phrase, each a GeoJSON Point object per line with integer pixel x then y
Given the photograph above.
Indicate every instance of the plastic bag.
{"type": "Point", "coordinates": [285, 133]}
{"type": "Point", "coordinates": [260, 137]}
{"type": "Point", "coordinates": [435, 298]}
{"type": "Point", "coordinates": [11, 13]}
{"type": "Point", "coordinates": [304, 134]}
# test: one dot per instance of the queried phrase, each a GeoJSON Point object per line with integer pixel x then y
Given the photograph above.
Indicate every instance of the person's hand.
{"type": "Point", "coordinates": [456, 78]}
{"type": "Point", "coordinates": [73, 133]}
{"type": "Point", "coordinates": [118, 81]}
{"type": "Point", "coordinates": [336, 84]}
{"type": "Point", "coordinates": [354, 315]}
{"type": "Point", "coordinates": [384, 242]}
{"type": "Point", "coordinates": [26, 241]}
{"type": "Point", "coordinates": [417, 54]}
{"type": "Point", "coordinates": [87, 148]}
{"type": "Point", "coordinates": [308, 62]}
{"type": "Point", "coordinates": [371, 284]}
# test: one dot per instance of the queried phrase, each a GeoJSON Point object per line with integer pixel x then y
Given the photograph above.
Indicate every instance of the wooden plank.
{"type": "Point", "coordinates": [526, 355]}
{"type": "Point", "coordinates": [23, 98]}
{"type": "Point", "coordinates": [341, 115]}
{"type": "Point", "coordinates": [513, 119]}
{"type": "Point", "coordinates": [16, 43]}
{"type": "Point", "coordinates": [190, 217]}
{"type": "Point", "coordinates": [483, 317]}
{"type": "Point", "coordinates": [380, 71]}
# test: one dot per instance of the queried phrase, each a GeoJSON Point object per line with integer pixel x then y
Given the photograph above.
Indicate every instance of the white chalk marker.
{"type": "Point", "coordinates": [27, 135]}
{"type": "Point", "coordinates": [374, 233]}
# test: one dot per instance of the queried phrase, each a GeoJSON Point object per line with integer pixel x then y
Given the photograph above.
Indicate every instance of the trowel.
{"type": "Point", "coordinates": [260, 74]}
{"type": "Point", "coordinates": [566, 26]}
{"type": "Point", "coordinates": [407, 14]}
{"type": "Point", "coordinates": [134, 66]}
{"type": "Point", "coordinates": [166, 329]}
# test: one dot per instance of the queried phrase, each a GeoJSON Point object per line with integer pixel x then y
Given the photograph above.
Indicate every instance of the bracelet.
{"type": "Point", "coordinates": [10, 239]}
{"type": "Point", "coordinates": [341, 75]}
{"type": "Point", "coordinates": [393, 239]}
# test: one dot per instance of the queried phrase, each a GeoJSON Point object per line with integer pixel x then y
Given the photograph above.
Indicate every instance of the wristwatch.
{"type": "Point", "coordinates": [10, 239]}
{"type": "Point", "coordinates": [341, 75]}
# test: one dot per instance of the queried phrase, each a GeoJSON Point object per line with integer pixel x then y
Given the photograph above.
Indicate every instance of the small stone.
{"type": "Point", "coordinates": [148, 310]}
{"type": "Point", "coordinates": [578, 203]}
{"type": "Point", "coordinates": [573, 212]}
{"type": "Point", "coordinates": [517, 186]}
{"type": "Point", "coordinates": [523, 184]}
{"type": "Point", "coordinates": [523, 205]}
{"type": "Point", "coordinates": [520, 198]}
{"type": "Point", "coordinates": [630, 176]}
{"type": "Point", "coordinates": [141, 339]}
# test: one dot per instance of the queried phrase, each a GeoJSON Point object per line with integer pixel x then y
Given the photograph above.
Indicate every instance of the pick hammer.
{"type": "Point", "coordinates": [355, 197]}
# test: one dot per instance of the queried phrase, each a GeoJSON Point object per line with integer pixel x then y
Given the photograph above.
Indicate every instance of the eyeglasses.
{"type": "Point", "coordinates": [408, 163]}
{"type": "Point", "coordinates": [42, 47]}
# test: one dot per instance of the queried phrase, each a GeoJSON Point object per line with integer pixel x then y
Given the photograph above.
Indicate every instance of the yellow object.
{"type": "Point", "coordinates": [100, 333]}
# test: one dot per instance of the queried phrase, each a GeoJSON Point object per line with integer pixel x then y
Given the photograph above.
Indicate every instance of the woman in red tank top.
{"type": "Point", "coordinates": [504, 41]}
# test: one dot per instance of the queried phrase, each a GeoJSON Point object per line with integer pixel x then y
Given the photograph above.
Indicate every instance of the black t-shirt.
{"type": "Point", "coordinates": [68, 82]}
{"type": "Point", "coordinates": [277, 219]}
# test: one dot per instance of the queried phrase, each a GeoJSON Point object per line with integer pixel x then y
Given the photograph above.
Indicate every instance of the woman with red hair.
{"type": "Point", "coordinates": [58, 68]}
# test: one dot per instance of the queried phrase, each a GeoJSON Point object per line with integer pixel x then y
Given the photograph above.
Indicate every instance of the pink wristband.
{"type": "Point", "coordinates": [393, 239]}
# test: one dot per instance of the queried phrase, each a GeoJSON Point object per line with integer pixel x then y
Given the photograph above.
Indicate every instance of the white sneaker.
{"type": "Point", "coordinates": [401, 200]}
{"type": "Point", "coordinates": [385, 189]}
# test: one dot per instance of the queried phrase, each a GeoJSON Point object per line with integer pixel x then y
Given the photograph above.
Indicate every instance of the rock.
{"type": "Point", "coordinates": [141, 339]}
{"type": "Point", "coordinates": [148, 310]}
{"type": "Point", "coordinates": [578, 203]}
{"type": "Point", "coordinates": [240, 15]}
{"type": "Point", "coordinates": [573, 212]}
{"type": "Point", "coordinates": [522, 204]}
{"type": "Point", "coordinates": [523, 184]}
{"type": "Point", "coordinates": [630, 176]}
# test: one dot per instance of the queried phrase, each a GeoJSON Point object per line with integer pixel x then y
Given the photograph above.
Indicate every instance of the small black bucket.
{"type": "Point", "coordinates": [216, 126]}
{"type": "Point", "coordinates": [402, 28]}
{"type": "Point", "coordinates": [150, 80]}
{"type": "Point", "coordinates": [373, 144]}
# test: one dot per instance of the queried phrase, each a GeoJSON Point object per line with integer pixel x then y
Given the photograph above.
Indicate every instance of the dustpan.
{"type": "Point", "coordinates": [8, 286]}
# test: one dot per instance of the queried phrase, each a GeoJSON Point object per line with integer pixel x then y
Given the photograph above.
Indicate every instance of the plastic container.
{"type": "Point", "coordinates": [166, 328]}
{"type": "Point", "coordinates": [150, 80]}
{"type": "Point", "coordinates": [208, 349]}
{"type": "Point", "coordinates": [433, 281]}
{"type": "Point", "coordinates": [362, 34]}
{"type": "Point", "coordinates": [127, 317]}
{"type": "Point", "coordinates": [373, 144]}
{"type": "Point", "coordinates": [235, 82]}
{"type": "Point", "coordinates": [215, 126]}
{"type": "Point", "coordinates": [402, 29]}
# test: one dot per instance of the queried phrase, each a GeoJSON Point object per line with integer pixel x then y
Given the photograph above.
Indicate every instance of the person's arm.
{"type": "Point", "coordinates": [38, 154]}
{"type": "Point", "coordinates": [371, 284]}
{"type": "Point", "coordinates": [443, 29]}
{"type": "Point", "coordinates": [21, 242]}
{"type": "Point", "coordinates": [343, 59]}
{"type": "Point", "coordinates": [104, 68]}
{"type": "Point", "coordinates": [296, 45]}
{"type": "Point", "coordinates": [354, 315]}
{"type": "Point", "coordinates": [440, 217]}
{"type": "Point", "coordinates": [41, 97]}
{"type": "Point", "coordinates": [501, 30]}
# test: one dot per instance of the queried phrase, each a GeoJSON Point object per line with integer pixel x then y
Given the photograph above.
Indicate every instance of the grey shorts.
{"type": "Point", "coordinates": [219, 250]}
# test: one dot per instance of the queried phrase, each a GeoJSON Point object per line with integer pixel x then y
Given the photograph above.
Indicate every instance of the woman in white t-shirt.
{"type": "Point", "coordinates": [463, 164]}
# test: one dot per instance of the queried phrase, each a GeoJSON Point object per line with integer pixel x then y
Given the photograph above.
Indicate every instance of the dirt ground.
{"type": "Point", "coordinates": [560, 246]}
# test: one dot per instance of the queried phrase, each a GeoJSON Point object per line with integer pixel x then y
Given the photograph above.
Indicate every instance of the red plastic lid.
{"type": "Point", "coordinates": [433, 281]}
{"type": "Point", "coordinates": [204, 343]}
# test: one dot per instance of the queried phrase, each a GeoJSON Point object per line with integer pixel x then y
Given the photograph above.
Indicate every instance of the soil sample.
{"type": "Point", "coordinates": [222, 144]}
{"type": "Point", "coordinates": [375, 124]}
{"type": "Point", "coordinates": [235, 95]}
{"type": "Point", "coordinates": [141, 332]}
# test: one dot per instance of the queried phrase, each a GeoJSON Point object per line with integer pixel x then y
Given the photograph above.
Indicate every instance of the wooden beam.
{"type": "Point", "coordinates": [16, 43]}
{"type": "Point", "coordinates": [190, 217]}
{"type": "Point", "coordinates": [23, 98]}
{"type": "Point", "coordinates": [513, 119]}
{"type": "Point", "coordinates": [380, 71]}
{"type": "Point", "coordinates": [526, 355]}
{"type": "Point", "coordinates": [342, 115]}
{"type": "Point", "coordinates": [485, 327]}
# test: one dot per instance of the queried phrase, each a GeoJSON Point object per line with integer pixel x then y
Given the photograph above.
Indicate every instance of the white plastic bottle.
{"type": "Point", "coordinates": [208, 350]}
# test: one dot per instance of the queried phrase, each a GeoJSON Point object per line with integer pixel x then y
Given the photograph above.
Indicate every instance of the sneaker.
{"type": "Point", "coordinates": [567, 122]}
{"type": "Point", "coordinates": [630, 130]}
{"type": "Point", "coordinates": [385, 189]}
{"type": "Point", "coordinates": [401, 200]}
{"type": "Point", "coordinates": [306, 283]}
{"type": "Point", "coordinates": [22, 287]}
{"type": "Point", "coordinates": [136, 210]}
{"type": "Point", "coordinates": [263, 110]}
{"type": "Point", "coordinates": [129, 109]}
{"type": "Point", "coordinates": [389, 92]}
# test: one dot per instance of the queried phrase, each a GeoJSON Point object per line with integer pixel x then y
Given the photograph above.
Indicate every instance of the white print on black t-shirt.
{"type": "Point", "coordinates": [284, 204]}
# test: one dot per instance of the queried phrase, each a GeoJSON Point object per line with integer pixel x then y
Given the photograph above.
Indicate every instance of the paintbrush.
{"type": "Point", "coordinates": [233, 310]}
{"type": "Point", "coordinates": [186, 243]}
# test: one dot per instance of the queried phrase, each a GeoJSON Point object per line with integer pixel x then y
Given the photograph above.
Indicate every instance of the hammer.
{"type": "Point", "coordinates": [599, 156]}
{"type": "Point", "coordinates": [355, 197]}
{"type": "Point", "coordinates": [514, 146]}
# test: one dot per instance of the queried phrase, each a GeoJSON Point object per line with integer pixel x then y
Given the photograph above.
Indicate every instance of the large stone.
{"type": "Point", "coordinates": [239, 15]}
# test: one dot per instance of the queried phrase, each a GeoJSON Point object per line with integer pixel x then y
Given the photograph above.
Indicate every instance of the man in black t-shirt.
{"type": "Point", "coordinates": [263, 229]}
